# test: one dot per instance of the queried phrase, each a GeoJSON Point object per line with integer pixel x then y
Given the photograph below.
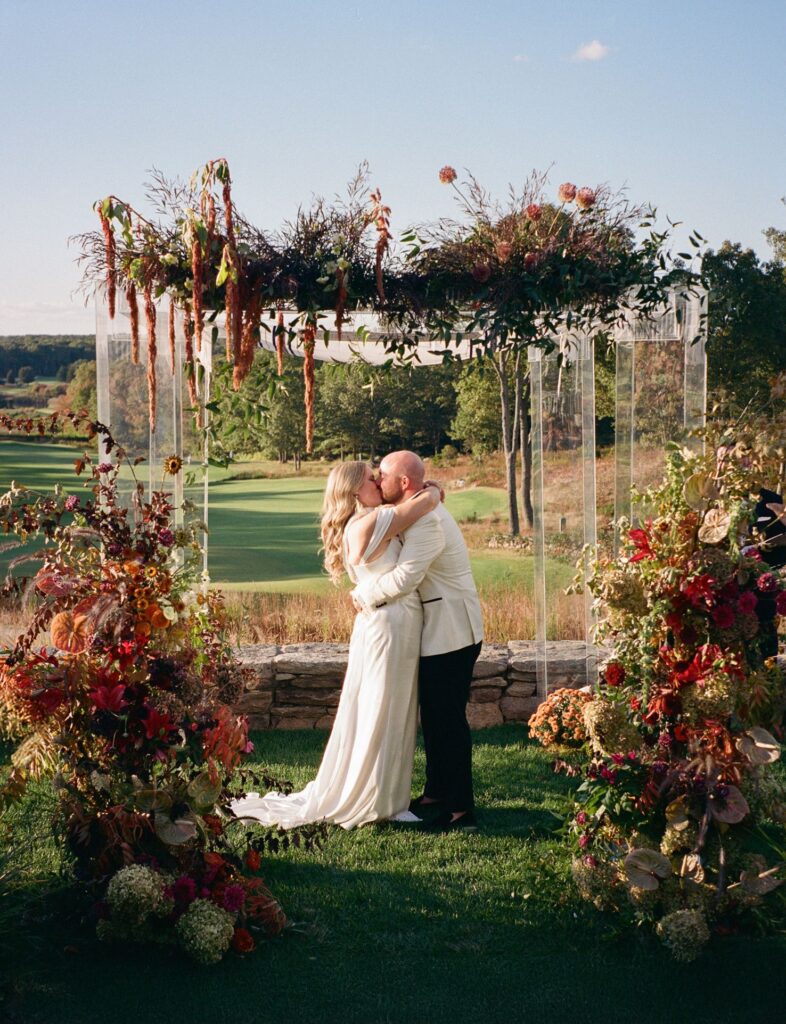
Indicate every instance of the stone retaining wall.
{"type": "Point", "coordinates": [297, 686]}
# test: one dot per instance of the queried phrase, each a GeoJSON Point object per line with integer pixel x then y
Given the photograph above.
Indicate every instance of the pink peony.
{"type": "Point", "coordinates": [534, 211]}
{"type": "Point", "coordinates": [447, 175]}
{"type": "Point", "coordinates": [566, 192]}
{"type": "Point", "coordinates": [585, 198]}
{"type": "Point", "coordinates": [747, 602]}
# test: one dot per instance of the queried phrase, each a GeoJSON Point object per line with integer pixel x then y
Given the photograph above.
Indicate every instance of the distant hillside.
{"type": "Point", "coordinates": [44, 353]}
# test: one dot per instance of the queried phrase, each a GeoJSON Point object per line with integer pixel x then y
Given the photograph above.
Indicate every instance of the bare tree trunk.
{"type": "Point", "coordinates": [524, 389]}
{"type": "Point", "coordinates": [509, 439]}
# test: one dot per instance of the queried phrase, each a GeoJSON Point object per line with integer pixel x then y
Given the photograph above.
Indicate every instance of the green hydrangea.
{"type": "Point", "coordinates": [609, 729]}
{"type": "Point", "coordinates": [684, 933]}
{"type": "Point", "coordinates": [134, 894]}
{"type": "Point", "coordinates": [713, 697]}
{"type": "Point", "coordinates": [205, 931]}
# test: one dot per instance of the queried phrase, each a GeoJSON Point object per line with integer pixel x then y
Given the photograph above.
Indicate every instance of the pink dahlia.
{"type": "Point", "coordinates": [585, 198]}
{"type": "Point", "coordinates": [447, 175]}
{"type": "Point", "coordinates": [747, 602]}
{"type": "Point", "coordinates": [566, 192]}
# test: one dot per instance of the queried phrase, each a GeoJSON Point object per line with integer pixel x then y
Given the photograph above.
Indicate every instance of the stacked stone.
{"type": "Point", "coordinates": [297, 686]}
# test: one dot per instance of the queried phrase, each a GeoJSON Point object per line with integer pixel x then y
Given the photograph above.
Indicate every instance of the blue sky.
{"type": "Point", "coordinates": [680, 102]}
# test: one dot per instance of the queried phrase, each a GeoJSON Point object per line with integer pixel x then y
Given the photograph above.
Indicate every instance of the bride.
{"type": "Point", "coordinates": [366, 769]}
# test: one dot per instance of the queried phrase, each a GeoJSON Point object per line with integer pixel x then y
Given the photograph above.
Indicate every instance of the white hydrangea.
{"type": "Point", "coordinates": [205, 931]}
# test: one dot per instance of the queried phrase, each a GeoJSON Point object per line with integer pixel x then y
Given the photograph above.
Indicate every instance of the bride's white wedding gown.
{"type": "Point", "coordinates": [366, 770]}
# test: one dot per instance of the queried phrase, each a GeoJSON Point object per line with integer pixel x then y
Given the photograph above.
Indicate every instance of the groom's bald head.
{"type": "Point", "coordinates": [401, 474]}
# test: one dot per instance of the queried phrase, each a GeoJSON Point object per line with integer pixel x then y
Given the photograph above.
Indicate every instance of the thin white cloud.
{"type": "Point", "coordinates": [595, 50]}
{"type": "Point", "coordinates": [521, 58]}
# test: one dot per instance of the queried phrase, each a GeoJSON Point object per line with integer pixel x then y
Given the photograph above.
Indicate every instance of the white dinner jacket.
{"type": "Point", "coordinates": [435, 562]}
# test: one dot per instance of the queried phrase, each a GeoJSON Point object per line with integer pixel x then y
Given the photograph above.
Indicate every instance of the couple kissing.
{"type": "Point", "coordinates": [416, 636]}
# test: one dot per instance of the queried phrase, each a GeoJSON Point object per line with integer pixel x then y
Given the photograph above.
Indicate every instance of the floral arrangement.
{"type": "Point", "coordinates": [559, 720]}
{"type": "Point", "coordinates": [509, 274]}
{"type": "Point", "coordinates": [127, 705]}
{"type": "Point", "coordinates": [680, 812]}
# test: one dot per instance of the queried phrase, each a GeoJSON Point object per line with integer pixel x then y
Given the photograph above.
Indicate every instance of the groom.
{"type": "Point", "coordinates": [434, 561]}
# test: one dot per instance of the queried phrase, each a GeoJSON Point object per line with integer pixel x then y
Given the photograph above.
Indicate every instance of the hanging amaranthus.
{"type": "Point", "coordinates": [280, 332]}
{"type": "Point", "coordinates": [172, 315]}
{"type": "Point", "coordinates": [249, 340]}
{"type": "Point", "coordinates": [110, 255]}
{"type": "Point", "coordinates": [381, 216]}
{"type": "Point", "coordinates": [196, 273]}
{"type": "Point", "coordinates": [309, 343]}
{"type": "Point", "coordinates": [152, 352]}
{"type": "Point", "coordinates": [188, 334]}
{"type": "Point", "coordinates": [133, 316]}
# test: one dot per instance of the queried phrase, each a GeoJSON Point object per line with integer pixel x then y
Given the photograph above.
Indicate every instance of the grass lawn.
{"type": "Point", "coordinates": [390, 927]}
{"type": "Point", "coordinates": [264, 533]}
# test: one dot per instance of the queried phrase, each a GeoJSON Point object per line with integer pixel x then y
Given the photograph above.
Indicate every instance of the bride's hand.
{"type": "Point", "coordinates": [439, 487]}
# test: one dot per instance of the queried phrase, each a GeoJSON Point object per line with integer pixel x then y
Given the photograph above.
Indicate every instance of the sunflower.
{"type": "Point", "coordinates": [151, 572]}
{"type": "Point", "coordinates": [172, 465]}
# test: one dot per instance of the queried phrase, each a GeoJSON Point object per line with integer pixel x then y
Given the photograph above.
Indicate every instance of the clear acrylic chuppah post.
{"type": "Point", "coordinates": [564, 503]}
{"type": "Point", "coordinates": [122, 388]}
{"type": "Point", "coordinates": [661, 392]}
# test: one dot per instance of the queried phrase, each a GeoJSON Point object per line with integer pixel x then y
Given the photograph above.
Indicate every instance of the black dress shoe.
{"type": "Point", "coordinates": [420, 805]}
{"type": "Point", "coordinates": [444, 823]}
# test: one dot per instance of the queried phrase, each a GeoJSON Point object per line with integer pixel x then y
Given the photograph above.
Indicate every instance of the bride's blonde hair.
{"type": "Point", "coordinates": [338, 506]}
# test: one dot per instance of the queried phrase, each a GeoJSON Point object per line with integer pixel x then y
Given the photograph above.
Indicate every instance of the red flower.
{"type": "Point", "coordinates": [566, 192]}
{"type": "Point", "coordinates": [723, 616]}
{"type": "Point", "coordinates": [253, 860]}
{"type": "Point", "coordinates": [109, 698]}
{"type": "Point", "coordinates": [534, 212]}
{"type": "Point", "coordinates": [47, 700]}
{"type": "Point", "coordinates": [699, 591]}
{"type": "Point", "coordinates": [680, 733]}
{"type": "Point", "coordinates": [530, 260]}
{"type": "Point", "coordinates": [614, 674]}
{"type": "Point", "coordinates": [635, 703]}
{"type": "Point", "coordinates": [158, 726]}
{"type": "Point", "coordinates": [242, 941]}
{"type": "Point", "coordinates": [767, 583]}
{"type": "Point", "coordinates": [641, 543]}
{"type": "Point", "coordinates": [747, 602]}
{"type": "Point", "coordinates": [447, 175]}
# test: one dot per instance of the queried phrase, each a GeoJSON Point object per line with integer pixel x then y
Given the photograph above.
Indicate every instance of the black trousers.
{"type": "Point", "coordinates": [444, 681]}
